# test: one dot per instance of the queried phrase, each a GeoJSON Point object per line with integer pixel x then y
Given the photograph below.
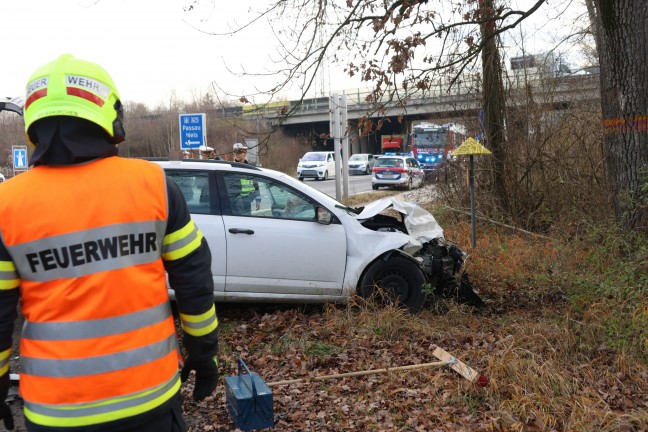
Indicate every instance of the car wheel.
{"type": "Point", "coordinates": [325, 175]}
{"type": "Point", "coordinates": [374, 187]}
{"type": "Point", "coordinates": [395, 281]}
{"type": "Point", "coordinates": [301, 178]}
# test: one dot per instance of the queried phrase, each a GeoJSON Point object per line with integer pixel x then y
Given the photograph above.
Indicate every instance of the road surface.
{"type": "Point", "coordinates": [357, 184]}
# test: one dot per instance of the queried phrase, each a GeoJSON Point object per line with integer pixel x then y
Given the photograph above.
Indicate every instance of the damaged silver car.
{"type": "Point", "coordinates": [279, 240]}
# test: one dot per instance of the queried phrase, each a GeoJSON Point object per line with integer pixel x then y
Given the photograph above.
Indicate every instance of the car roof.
{"type": "Point", "coordinates": [394, 156]}
{"type": "Point", "coordinates": [208, 164]}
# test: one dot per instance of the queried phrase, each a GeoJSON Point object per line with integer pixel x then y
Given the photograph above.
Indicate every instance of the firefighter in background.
{"type": "Point", "coordinates": [249, 188]}
{"type": "Point", "coordinates": [85, 239]}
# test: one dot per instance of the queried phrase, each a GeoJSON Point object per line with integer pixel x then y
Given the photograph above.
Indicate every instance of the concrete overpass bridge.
{"type": "Point", "coordinates": [461, 104]}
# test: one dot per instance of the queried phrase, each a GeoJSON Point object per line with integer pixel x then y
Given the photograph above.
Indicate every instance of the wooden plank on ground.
{"type": "Point", "coordinates": [457, 365]}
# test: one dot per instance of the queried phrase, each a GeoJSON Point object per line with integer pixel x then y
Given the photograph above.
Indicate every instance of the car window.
{"type": "Point", "coordinates": [255, 196]}
{"type": "Point", "coordinates": [194, 185]}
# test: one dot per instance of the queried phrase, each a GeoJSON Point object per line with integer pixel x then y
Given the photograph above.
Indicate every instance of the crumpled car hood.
{"type": "Point", "coordinates": [419, 222]}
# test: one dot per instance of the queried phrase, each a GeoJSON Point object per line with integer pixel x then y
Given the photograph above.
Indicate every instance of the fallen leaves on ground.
{"type": "Point", "coordinates": [535, 383]}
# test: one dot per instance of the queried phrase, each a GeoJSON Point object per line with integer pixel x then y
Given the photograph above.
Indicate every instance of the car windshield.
{"type": "Point", "coordinates": [431, 139]}
{"type": "Point", "coordinates": [389, 162]}
{"type": "Point", "coordinates": [314, 157]}
{"type": "Point", "coordinates": [358, 157]}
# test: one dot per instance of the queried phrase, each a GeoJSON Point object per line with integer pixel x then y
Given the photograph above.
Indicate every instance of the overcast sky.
{"type": "Point", "coordinates": [147, 46]}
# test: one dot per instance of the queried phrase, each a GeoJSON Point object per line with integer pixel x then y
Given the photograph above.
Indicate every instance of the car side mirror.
{"type": "Point", "coordinates": [324, 216]}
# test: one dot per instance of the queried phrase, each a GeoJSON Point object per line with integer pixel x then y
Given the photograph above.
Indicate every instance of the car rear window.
{"type": "Point", "coordinates": [389, 162]}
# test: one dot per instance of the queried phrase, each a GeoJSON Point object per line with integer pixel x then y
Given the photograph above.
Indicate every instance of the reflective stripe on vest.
{"type": "Point", "coordinates": [90, 251]}
{"type": "Point", "coordinates": [75, 415]}
{"type": "Point", "coordinates": [247, 186]}
{"type": "Point", "coordinates": [55, 368]}
{"type": "Point", "coordinates": [60, 331]}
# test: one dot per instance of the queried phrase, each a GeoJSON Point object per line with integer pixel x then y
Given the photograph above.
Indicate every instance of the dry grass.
{"type": "Point", "coordinates": [540, 379]}
{"type": "Point", "coordinates": [559, 355]}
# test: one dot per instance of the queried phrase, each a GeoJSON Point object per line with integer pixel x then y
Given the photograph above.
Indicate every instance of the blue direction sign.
{"type": "Point", "coordinates": [193, 131]}
{"type": "Point", "coordinates": [19, 157]}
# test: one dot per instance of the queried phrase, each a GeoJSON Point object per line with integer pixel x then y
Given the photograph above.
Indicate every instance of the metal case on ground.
{"type": "Point", "coordinates": [249, 400]}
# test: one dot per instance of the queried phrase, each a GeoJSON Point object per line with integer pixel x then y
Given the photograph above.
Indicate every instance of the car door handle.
{"type": "Point", "coordinates": [241, 231]}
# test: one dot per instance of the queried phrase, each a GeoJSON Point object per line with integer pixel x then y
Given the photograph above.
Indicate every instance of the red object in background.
{"type": "Point", "coordinates": [392, 144]}
{"type": "Point", "coordinates": [482, 381]}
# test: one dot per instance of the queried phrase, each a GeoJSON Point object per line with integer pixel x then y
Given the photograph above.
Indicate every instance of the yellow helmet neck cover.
{"type": "Point", "coordinates": [73, 87]}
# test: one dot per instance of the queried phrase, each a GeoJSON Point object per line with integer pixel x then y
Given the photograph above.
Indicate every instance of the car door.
{"type": "Point", "coordinates": [199, 190]}
{"type": "Point", "coordinates": [415, 171]}
{"type": "Point", "coordinates": [278, 246]}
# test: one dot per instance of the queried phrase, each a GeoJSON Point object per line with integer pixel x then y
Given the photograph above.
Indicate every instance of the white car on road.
{"type": "Point", "coordinates": [319, 165]}
{"type": "Point", "coordinates": [361, 163]}
{"type": "Point", "coordinates": [397, 171]}
{"type": "Point", "coordinates": [302, 246]}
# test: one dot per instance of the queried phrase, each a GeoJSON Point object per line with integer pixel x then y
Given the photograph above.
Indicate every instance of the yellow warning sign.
{"type": "Point", "coordinates": [471, 147]}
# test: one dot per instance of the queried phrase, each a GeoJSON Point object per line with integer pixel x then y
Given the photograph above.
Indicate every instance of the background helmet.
{"type": "Point", "coordinates": [239, 146]}
{"type": "Point", "coordinates": [73, 87]}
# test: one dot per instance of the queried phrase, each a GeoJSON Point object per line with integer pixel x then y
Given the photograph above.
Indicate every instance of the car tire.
{"type": "Point", "coordinates": [395, 281]}
{"type": "Point", "coordinates": [325, 176]}
{"type": "Point", "coordinates": [301, 178]}
{"type": "Point", "coordinates": [374, 187]}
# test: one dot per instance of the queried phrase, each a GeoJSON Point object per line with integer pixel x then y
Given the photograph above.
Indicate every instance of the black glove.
{"type": "Point", "coordinates": [206, 376]}
{"type": "Point", "coordinates": [5, 411]}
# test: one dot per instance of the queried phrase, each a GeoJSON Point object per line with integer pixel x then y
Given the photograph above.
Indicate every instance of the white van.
{"type": "Point", "coordinates": [319, 165]}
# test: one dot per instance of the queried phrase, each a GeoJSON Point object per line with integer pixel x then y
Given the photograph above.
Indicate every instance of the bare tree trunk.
{"type": "Point", "coordinates": [592, 11]}
{"type": "Point", "coordinates": [623, 53]}
{"type": "Point", "coordinates": [494, 108]}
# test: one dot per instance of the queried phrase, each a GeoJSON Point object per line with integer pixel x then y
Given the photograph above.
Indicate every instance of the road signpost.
{"type": "Point", "coordinates": [471, 147]}
{"type": "Point", "coordinates": [193, 131]}
{"type": "Point", "coordinates": [20, 162]}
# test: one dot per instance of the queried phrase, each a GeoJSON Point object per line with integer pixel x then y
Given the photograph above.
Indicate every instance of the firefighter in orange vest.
{"type": "Point", "coordinates": [86, 240]}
